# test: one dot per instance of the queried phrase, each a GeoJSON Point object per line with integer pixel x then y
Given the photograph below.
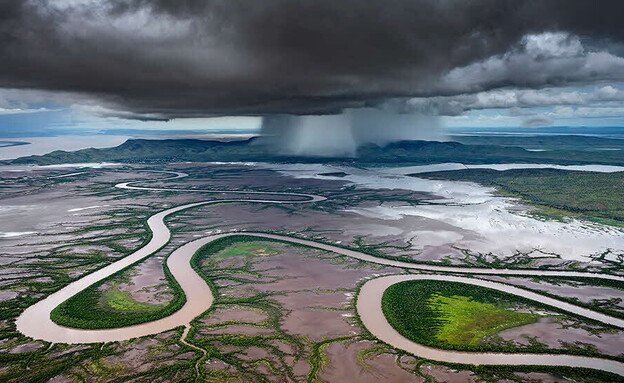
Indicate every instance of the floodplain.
{"type": "Point", "coordinates": [284, 311]}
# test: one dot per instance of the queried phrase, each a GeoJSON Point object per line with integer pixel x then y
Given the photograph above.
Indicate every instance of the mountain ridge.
{"type": "Point", "coordinates": [416, 152]}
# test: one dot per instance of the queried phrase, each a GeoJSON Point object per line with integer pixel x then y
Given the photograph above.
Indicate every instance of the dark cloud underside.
{"type": "Point", "coordinates": [193, 58]}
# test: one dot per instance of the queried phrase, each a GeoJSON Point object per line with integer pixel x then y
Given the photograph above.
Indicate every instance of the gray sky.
{"type": "Point", "coordinates": [531, 61]}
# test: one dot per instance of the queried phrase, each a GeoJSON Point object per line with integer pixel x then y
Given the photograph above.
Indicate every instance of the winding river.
{"type": "Point", "coordinates": [35, 321]}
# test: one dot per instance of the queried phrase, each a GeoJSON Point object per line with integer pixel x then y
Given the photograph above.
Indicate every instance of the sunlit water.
{"type": "Point", "coordinates": [483, 222]}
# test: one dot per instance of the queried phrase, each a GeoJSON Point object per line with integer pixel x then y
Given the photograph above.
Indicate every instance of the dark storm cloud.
{"type": "Point", "coordinates": [171, 58]}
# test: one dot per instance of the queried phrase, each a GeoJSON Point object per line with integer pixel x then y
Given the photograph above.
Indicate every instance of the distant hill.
{"type": "Point", "coordinates": [403, 152]}
{"type": "Point", "coordinates": [550, 142]}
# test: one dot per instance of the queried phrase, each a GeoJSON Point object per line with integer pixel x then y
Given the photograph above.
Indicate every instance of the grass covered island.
{"type": "Point", "coordinates": [451, 315]}
{"type": "Point", "coordinates": [105, 305]}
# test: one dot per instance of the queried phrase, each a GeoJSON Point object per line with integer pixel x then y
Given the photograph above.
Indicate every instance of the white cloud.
{"type": "Point", "coordinates": [5, 111]}
{"type": "Point", "coordinates": [585, 112]}
{"type": "Point", "coordinates": [599, 96]}
{"type": "Point", "coordinates": [552, 45]}
{"type": "Point", "coordinates": [608, 93]}
{"type": "Point", "coordinates": [540, 59]}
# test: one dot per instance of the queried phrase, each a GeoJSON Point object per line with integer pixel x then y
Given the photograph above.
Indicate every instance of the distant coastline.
{"type": "Point", "coordinates": [6, 144]}
{"type": "Point", "coordinates": [47, 144]}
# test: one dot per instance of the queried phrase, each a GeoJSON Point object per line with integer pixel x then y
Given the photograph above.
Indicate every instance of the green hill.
{"type": "Point", "coordinates": [403, 152]}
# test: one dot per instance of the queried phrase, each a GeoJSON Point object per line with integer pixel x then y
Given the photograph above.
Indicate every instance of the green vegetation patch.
{"type": "Point", "coordinates": [465, 321]}
{"type": "Point", "coordinates": [93, 308]}
{"type": "Point", "coordinates": [116, 299]}
{"type": "Point", "coordinates": [246, 248]}
{"type": "Point", "coordinates": [451, 315]}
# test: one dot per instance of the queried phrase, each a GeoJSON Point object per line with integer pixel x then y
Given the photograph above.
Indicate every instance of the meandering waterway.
{"type": "Point", "coordinates": [35, 321]}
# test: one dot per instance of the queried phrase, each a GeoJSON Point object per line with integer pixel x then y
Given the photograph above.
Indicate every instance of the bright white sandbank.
{"type": "Point", "coordinates": [479, 220]}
